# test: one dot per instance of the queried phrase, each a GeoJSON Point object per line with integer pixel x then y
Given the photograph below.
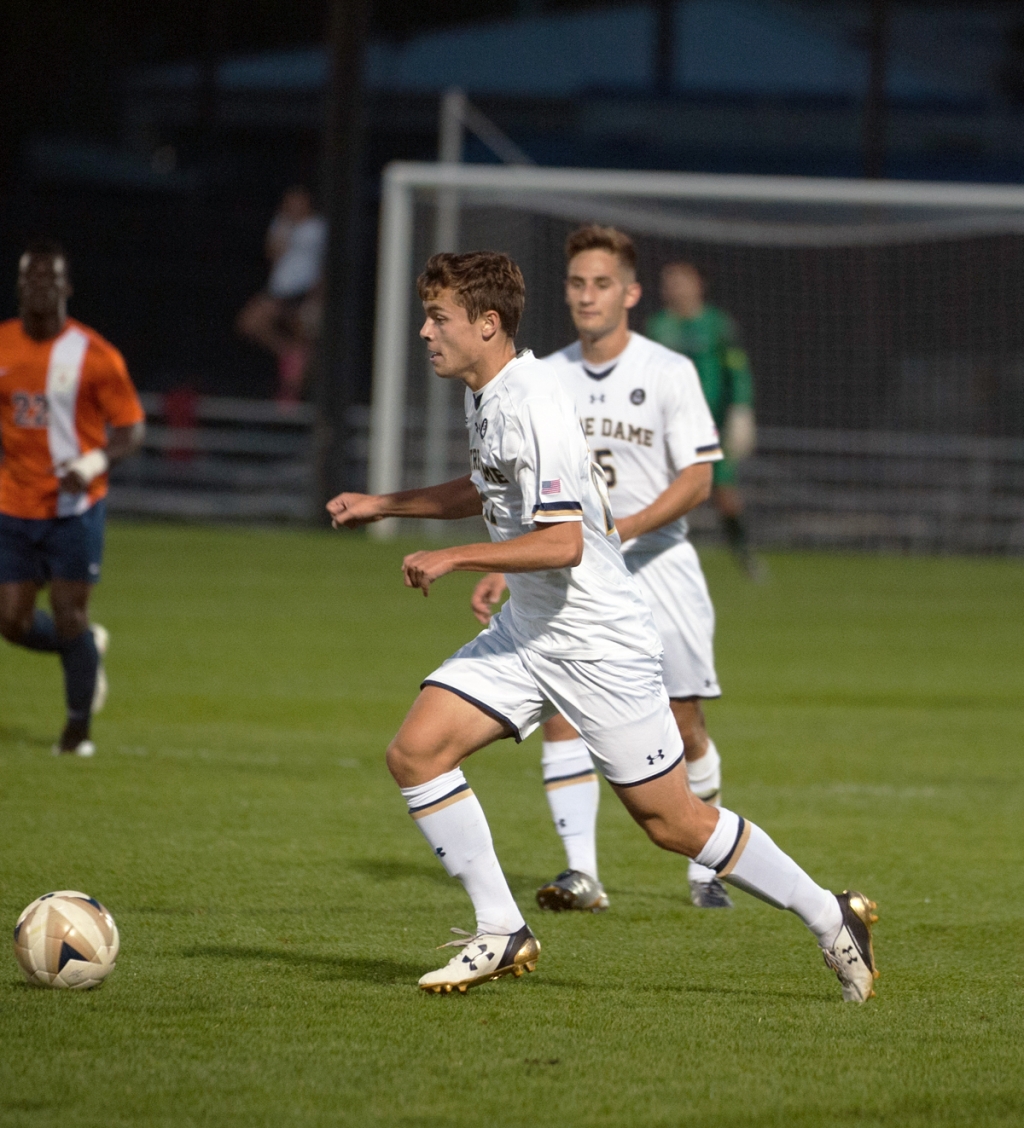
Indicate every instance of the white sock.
{"type": "Point", "coordinates": [705, 777]}
{"type": "Point", "coordinates": [573, 795]}
{"type": "Point", "coordinates": [451, 819]}
{"type": "Point", "coordinates": [742, 854]}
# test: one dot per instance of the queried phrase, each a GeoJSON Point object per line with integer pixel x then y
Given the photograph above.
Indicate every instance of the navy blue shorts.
{"type": "Point", "coordinates": [63, 548]}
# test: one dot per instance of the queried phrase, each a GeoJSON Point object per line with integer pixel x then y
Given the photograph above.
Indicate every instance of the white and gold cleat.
{"type": "Point", "coordinates": [99, 695]}
{"type": "Point", "coordinates": [485, 956]}
{"type": "Point", "coordinates": [851, 956]}
{"type": "Point", "coordinates": [573, 891]}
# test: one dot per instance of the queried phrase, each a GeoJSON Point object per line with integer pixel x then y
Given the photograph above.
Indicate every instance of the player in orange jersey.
{"type": "Point", "coordinates": [68, 411]}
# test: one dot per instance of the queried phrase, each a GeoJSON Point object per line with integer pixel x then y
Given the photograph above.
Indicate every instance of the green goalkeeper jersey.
{"type": "Point", "coordinates": [710, 340]}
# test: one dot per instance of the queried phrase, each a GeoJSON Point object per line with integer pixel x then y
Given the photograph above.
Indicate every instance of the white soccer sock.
{"type": "Point", "coordinates": [451, 819]}
{"type": "Point", "coordinates": [742, 854]}
{"type": "Point", "coordinates": [573, 795]}
{"type": "Point", "coordinates": [705, 777]}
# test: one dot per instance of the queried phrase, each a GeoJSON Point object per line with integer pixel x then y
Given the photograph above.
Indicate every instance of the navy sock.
{"type": "Point", "coordinates": [735, 533]}
{"type": "Point", "coordinates": [42, 635]}
{"type": "Point", "coordinates": [80, 660]}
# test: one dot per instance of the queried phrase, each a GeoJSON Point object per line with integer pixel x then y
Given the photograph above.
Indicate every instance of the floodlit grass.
{"type": "Point", "coordinates": [277, 905]}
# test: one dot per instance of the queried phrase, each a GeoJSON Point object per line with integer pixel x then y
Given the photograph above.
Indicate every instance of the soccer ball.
{"type": "Point", "coordinates": [66, 939]}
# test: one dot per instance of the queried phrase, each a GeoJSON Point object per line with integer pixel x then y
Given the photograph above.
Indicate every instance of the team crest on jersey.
{"type": "Point", "coordinates": [637, 396]}
{"type": "Point", "coordinates": [481, 428]}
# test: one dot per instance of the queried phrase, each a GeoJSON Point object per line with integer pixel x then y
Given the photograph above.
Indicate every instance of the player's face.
{"type": "Point", "coordinates": [599, 291]}
{"type": "Point", "coordinates": [42, 284]}
{"type": "Point", "coordinates": [454, 343]}
{"type": "Point", "coordinates": [682, 290]}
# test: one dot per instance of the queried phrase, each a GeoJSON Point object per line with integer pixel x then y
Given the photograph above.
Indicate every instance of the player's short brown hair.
{"type": "Point", "coordinates": [480, 280]}
{"type": "Point", "coordinates": [593, 237]}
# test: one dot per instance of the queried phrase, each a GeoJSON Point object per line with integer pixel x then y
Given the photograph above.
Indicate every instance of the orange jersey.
{"type": "Point", "coordinates": [57, 399]}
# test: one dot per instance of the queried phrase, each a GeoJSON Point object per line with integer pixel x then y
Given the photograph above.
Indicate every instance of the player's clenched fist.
{"type": "Point", "coordinates": [354, 509]}
{"type": "Point", "coordinates": [422, 568]}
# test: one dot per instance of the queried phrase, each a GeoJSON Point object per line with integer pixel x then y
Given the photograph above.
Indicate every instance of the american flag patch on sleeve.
{"type": "Point", "coordinates": [552, 487]}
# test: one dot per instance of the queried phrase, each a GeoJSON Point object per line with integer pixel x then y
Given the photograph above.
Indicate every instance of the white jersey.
{"type": "Point", "coordinates": [530, 464]}
{"type": "Point", "coordinates": [646, 420]}
{"type": "Point", "coordinates": [299, 266]}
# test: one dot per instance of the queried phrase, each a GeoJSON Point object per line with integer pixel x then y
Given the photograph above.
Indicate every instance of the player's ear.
{"type": "Point", "coordinates": [490, 323]}
{"type": "Point", "coordinates": [634, 292]}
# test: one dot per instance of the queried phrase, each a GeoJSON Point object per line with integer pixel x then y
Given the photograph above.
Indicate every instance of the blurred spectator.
{"type": "Point", "coordinates": [708, 336]}
{"type": "Point", "coordinates": [285, 318]}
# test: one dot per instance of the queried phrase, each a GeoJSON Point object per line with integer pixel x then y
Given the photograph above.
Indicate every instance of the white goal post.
{"type": "Point", "coordinates": [725, 209]}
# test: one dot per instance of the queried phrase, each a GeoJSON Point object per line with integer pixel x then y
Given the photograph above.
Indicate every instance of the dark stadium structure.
{"type": "Point", "coordinates": [161, 167]}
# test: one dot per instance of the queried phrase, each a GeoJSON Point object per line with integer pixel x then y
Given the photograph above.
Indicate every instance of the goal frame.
{"type": "Point", "coordinates": [403, 179]}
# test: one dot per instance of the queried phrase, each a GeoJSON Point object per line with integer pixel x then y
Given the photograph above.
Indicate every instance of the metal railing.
{"type": "Point", "coordinates": [214, 457]}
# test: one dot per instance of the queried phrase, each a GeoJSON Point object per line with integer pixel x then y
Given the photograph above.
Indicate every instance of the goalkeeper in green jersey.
{"type": "Point", "coordinates": [708, 336]}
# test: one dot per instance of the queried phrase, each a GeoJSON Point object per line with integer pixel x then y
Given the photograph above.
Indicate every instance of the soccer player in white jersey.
{"type": "Point", "coordinates": [650, 429]}
{"type": "Point", "coordinates": [575, 637]}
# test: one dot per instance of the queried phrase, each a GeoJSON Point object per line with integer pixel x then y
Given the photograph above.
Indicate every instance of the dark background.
{"type": "Point", "coordinates": [161, 188]}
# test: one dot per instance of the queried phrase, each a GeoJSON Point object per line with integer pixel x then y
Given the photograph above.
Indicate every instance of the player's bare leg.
{"type": "Point", "coordinates": [260, 321]}
{"type": "Point", "coordinates": [704, 769]}
{"type": "Point", "coordinates": [742, 854]}
{"type": "Point", "coordinates": [268, 322]}
{"type": "Point", "coordinates": [572, 790]}
{"type": "Point", "coordinates": [440, 731]}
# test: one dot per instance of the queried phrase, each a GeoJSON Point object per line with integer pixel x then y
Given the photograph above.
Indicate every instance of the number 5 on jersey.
{"type": "Point", "coordinates": [604, 460]}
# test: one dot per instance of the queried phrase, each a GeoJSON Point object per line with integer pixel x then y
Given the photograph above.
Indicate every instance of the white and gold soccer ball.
{"type": "Point", "coordinates": [66, 939]}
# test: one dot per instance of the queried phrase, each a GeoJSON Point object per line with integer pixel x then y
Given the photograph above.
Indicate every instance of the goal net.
{"type": "Point", "coordinates": [883, 323]}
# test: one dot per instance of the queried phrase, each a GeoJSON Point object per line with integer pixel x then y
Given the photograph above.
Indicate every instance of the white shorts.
{"type": "Point", "coordinates": [674, 588]}
{"type": "Point", "coordinates": [618, 705]}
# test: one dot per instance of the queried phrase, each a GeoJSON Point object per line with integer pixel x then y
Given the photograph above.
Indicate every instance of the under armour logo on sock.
{"type": "Point", "coordinates": [562, 823]}
{"type": "Point", "coordinates": [439, 852]}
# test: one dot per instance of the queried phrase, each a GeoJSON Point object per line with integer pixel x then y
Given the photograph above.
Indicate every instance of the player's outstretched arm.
{"type": "Point", "coordinates": [76, 476]}
{"type": "Point", "coordinates": [547, 546]}
{"type": "Point", "coordinates": [687, 492]}
{"type": "Point", "coordinates": [485, 595]}
{"type": "Point", "coordinates": [448, 501]}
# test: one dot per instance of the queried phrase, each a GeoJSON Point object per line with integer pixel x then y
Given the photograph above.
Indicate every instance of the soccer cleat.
{"type": "Point", "coordinates": [573, 890]}
{"type": "Point", "coordinates": [710, 894]}
{"type": "Point", "coordinates": [99, 695]}
{"type": "Point", "coordinates": [851, 956]}
{"type": "Point", "coordinates": [487, 956]}
{"type": "Point", "coordinates": [83, 748]}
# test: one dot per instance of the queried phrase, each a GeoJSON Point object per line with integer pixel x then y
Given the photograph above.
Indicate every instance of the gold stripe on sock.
{"type": "Point", "coordinates": [441, 804]}
{"type": "Point", "coordinates": [555, 784]}
{"type": "Point", "coordinates": [740, 847]}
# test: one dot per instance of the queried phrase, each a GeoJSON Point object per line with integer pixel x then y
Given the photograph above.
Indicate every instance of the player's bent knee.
{"type": "Point", "coordinates": [410, 763]}
{"type": "Point", "coordinates": [667, 836]}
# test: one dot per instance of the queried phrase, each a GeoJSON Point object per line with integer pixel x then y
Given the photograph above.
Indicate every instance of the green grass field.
{"type": "Point", "coordinates": [276, 904]}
